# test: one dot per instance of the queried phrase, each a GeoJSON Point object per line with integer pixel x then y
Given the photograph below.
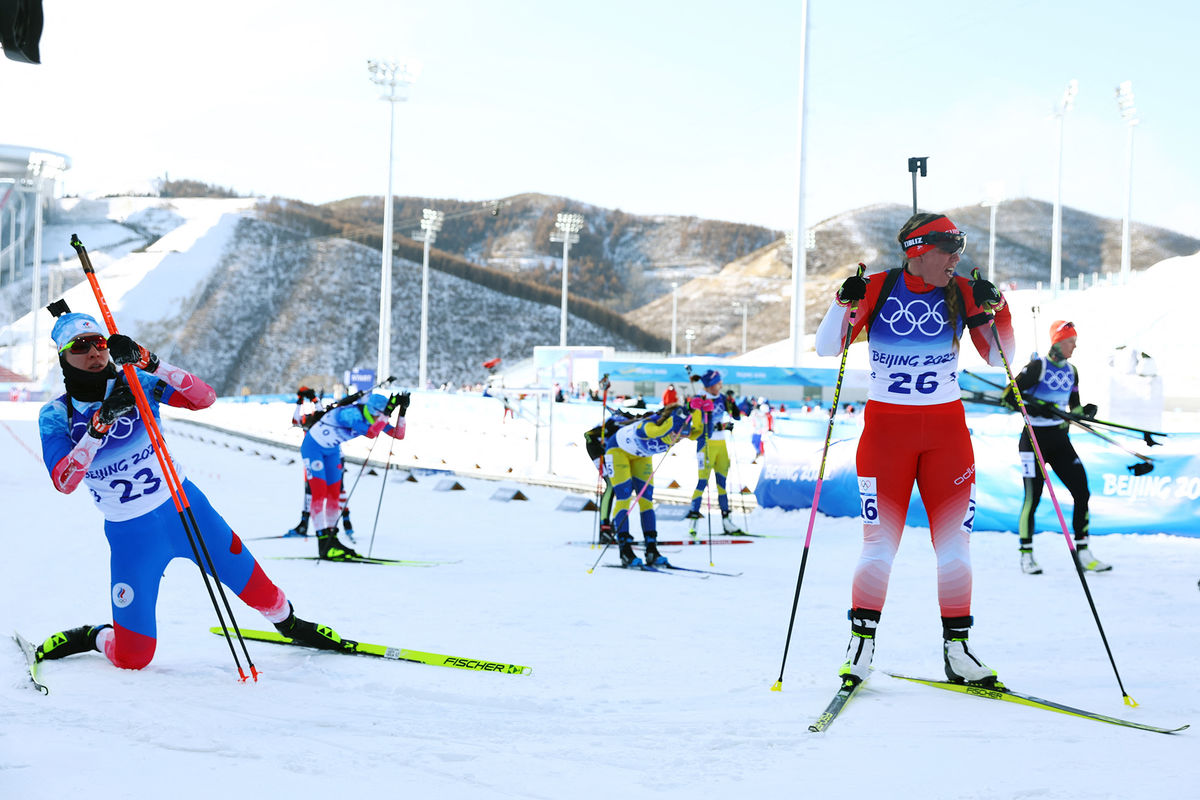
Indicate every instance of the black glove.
{"type": "Point", "coordinates": [126, 351]}
{"type": "Point", "coordinates": [853, 289]}
{"type": "Point", "coordinates": [119, 403]}
{"type": "Point", "coordinates": [306, 394]}
{"type": "Point", "coordinates": [1009, 400]}
{"type": "Point", "coordinates": [986, 295]}
{"type": "Point", "coordinates": [1090, 410]}
{"type": "Point", "coordinates": [397, 401]}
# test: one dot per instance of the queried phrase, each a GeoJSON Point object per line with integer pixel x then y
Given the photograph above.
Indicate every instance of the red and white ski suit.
{"type": "Point", "coordinates": [915, 428]}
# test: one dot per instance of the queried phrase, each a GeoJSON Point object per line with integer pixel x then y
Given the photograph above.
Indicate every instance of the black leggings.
{"type": "Point", "coordinates": [1060, 455]}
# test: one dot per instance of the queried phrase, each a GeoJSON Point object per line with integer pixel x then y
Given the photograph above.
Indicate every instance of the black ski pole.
{"type": "Point", "coordinates": [379, 505]}
{"type": "Point", "coordinates": [1041, 462]}
{"type": "Point", "coordinates": [812, 517]}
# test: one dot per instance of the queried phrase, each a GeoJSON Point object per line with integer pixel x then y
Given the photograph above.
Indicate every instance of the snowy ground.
{"type": "Point", "coordinates": [643, 686]}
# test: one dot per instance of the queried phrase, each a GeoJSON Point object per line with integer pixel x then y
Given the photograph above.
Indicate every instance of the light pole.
{"type": "Point", "coordinates": [396, 77]}
{"type": "Point", "coordinates": [743, 306]}
{"type": "Point", "coordinates": [688, 335]}
{"type": "Point", "coordinates": [799, 256]}
{"type": "Point", "coordinates": [568, 227]}
{"type": "Point", "coordinates": [431, 223]}
{"type": "Point", "coordinates": [674, 314]}
{"type": "Point", "coordinates": [992, 203]}
{"type": "Point", "coordinates": [1064, 105]}
{"type": "Point", "coordinates": [1129, 114]}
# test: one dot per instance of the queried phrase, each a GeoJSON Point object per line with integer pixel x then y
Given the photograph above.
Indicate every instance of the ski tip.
{"type": "Point", "coordinates": [777, 686]}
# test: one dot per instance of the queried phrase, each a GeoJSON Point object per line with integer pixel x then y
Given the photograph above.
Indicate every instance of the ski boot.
{"type": "Point", "coordinates": [1028, 565]}
{"type": "Point", "coordinates": [347, 528]}
{"type": "Point", "coordinates": [330, 549]}
{"type": "Point", "coordinates": [962, 666]}
{"type": "Point", "coordinates": [606, 533]}
{"type": "Point", "coordinates": [861, 649]}
{"type": "Point", "coordinates": [70, 642]}
{"type": "Point", "coordinates": [1088, 561]}
{"type": "Point", "coordinates": [693, 516]}
{"type": "Point", "coordinates": [653, 557]}
{"type": "Point", "coordinates": [729, 527]}
{"type": "Point", "coordinates": [311, 634]}
{"type": "Point", "coordinates": [629, 558]}
{"type": "Point", "coordinates": [301, 528]}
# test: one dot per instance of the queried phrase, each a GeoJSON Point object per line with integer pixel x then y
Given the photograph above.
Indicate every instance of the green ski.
{"type": "Point", "coordinates": [1004, 693]}
{"type": "Point", "coordinates": [396, 654]}
{"type": "Point", "coordinates": [31, 662]}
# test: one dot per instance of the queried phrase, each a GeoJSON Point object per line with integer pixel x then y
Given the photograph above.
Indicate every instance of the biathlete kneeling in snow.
{"type": "Point", "coordinates": [94, 435]}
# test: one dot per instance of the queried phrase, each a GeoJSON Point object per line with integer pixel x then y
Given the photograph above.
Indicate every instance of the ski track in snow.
{"type": "Point", "coordinates": [643, 685]}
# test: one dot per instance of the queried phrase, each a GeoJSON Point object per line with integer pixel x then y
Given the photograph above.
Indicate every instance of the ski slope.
{"type": "Point", "coordinates": [643, 685]}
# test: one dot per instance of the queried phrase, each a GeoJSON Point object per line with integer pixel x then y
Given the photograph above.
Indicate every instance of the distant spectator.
{"type": "Point", "coordinates": [670, 396]}
{"type": "Point", "coordinates": [558, 394]}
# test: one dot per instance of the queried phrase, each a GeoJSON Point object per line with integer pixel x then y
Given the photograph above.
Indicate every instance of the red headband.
{"type": "Point", "coordinates": [1060, 330]}
{"type": "Point", "coordinates": [914, 246]}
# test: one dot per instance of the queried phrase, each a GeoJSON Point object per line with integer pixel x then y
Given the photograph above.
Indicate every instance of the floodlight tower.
{"type": "Point", "coordinates": [1129, 114]}
{"type": "Point", "coordinates": [674, 315]}
{"type": "Point", "coordinates": [397, 78]}
{"type": "Point", "coordinates": [431, 223]}
{"type": "Point", "coordinates": [1060, 113]}
{"type": "Point", "coordinates": [568, 227]}
{"type": "Point", "coordinates": [992, 203]}
{"type": "Point", "coordinates": [797, 322]}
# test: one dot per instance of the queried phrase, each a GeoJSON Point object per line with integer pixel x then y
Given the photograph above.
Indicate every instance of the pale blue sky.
{"type": "Point", "coordinates": [651, 107]}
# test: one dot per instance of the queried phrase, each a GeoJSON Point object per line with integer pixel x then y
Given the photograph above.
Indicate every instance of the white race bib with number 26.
{"type": "Point", "coordinates": [869, 499]}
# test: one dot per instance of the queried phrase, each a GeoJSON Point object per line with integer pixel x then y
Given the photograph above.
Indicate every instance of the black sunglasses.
{"type": "Point", "coordinates": [948, 243]}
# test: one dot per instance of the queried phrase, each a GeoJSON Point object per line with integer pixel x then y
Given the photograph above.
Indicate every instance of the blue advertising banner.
{"type": "Point", "coordinates": [1167, 500]}
{"type": "Point", "coordinates": [360, 379]}
{"type": "Point", "coordinates": [669, 372]}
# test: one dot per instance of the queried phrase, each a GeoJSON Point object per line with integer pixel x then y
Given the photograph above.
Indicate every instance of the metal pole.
{"type": "Point", "coordinates": [799, 240]}
{"type": "Point", "coordinates": [422, 366]}
{"type": "Point", "coordinates": [674, 315]}
{"type": "Point", "coordinates": [743, 328]}
{"type": "Point", "coordinates": [1126, 254]}
{"type": "Point", "coordinates": [384, 367]}
{"type": "Point", "coordinates": [1056, 232]}
{"type": "Point", "coordinates": [37, 278]}
{"type": "Point", "coordinates": [562, 325]}
{"type": "Point", "coordinates": [992, 245]}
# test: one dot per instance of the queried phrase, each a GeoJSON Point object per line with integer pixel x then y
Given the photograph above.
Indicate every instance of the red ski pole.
{"type": "Point", "coordinates": [186, 517]}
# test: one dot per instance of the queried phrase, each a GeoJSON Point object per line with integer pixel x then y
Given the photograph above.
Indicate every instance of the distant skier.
{"type": "Point", "coordinates": [306, 414]}
{"type": "Point", "coordinates": [323, 463]}
{"type": "Point", "coordinates": [915, 427]}
{"type": "Point", "coordinates": [712, 453]}
{"type": "Point", "coordinates": [1052, 381]}
{"type": "Point", "coordinates": [627, 458]}
{"type": "Point", "coordinates": [94, 435]}
{"type": "Point", "coordinates": [594, 440]}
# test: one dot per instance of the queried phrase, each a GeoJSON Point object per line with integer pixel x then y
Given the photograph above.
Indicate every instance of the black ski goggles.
{"type": "Point", "coordinates": [948, 243]}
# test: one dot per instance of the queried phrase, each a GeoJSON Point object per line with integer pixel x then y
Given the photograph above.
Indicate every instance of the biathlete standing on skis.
{"type": "Point", "coordinates": [627, 458]}
{"type": "Point", "coordinates": [93, 435]}
{"type": "Point", "coordinates": [306, 414]}
{"type": "Point", "coordinates": [1053, 383]}
{"type": "Point", "coordinates": [712, 453]}
{"type": "Point", "coordinates": [594, 440]}
{"type": "Point", "coordinates": [323, 462]}
{"type": "Point", "coordinates": [915, 426]}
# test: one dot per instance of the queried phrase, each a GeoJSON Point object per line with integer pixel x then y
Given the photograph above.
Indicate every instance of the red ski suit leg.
{"type": "Point", "coordinates": [928, 445]}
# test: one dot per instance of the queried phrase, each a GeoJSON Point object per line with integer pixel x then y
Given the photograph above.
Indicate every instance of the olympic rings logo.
{"type": "Point", "coordinates": [122, 428]}
{"type": "Point", "coordinates": [917, 315]}
{"type": "Point", "coordinates": [1058, 380]}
